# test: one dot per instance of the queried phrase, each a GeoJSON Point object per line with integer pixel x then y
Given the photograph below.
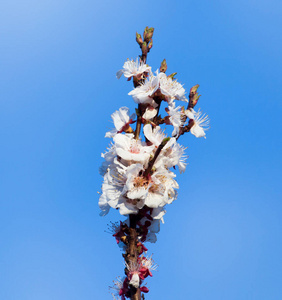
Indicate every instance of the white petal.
{"type": "Point", "coordinates": [189, 114]}
{"type": "Point", "coordinates": [198, 131]}
{"type": "Point", "coordinates": [150, 113]}
{"type": "Point", "coordinates": [119, 74]}
{"type": "Point", "coordinates": [135, 280]}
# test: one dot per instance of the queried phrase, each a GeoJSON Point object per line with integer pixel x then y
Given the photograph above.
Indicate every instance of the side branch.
{"type": "Point", "coordinates": [157, 153]}
{"type": "Point", "coordinates": [138, 123]}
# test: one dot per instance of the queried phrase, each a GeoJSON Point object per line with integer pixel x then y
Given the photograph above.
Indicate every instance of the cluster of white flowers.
{"type": "Point", "coordinates": [139, 164]}
{"type": "Point", "coordinates": [128, 186]}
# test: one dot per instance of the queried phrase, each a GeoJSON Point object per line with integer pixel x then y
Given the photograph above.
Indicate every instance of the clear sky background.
{"type": "Point", "coordinates": [222, 237]}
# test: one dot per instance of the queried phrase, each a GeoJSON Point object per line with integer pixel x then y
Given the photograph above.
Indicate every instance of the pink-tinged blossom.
{"type": "Point", "coordinates": [147, 265]}
{"type": "Point", "coordinates": [133, 273]}
{"type": "Point", "coordinates": [200, 123]}
{"type": "Point", "coordinates": [115, 229]}
{"type": "Point", "coordinates": [120, 288]}
{"type": "Point", "coordinates": [121, 120]}
{"type": "Point", "coordinates": [133, 68]}
{"type": "Point", "coordinates": [141, 248]}
{"type": "Point", "coordinates": [150, 228]}
{"type": "Point", "coordinates": [130, 149]}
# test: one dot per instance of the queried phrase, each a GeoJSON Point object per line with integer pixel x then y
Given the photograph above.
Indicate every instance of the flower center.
{"type": "Point", "coordinates": [140, 181]}
{"type": "Point", "coordinates": [134, 148]}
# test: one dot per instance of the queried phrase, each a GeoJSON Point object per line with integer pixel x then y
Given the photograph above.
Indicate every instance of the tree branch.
{"type": "Point", "coordinates": [132, 254]}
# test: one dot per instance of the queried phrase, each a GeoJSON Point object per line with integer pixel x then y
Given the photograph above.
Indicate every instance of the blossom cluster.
{"type": "Point", "coordinates": [139, 164]}
{"type": "Point", "coordinates": [128, 185]}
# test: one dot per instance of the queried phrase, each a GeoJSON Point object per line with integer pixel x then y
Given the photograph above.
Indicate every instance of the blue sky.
{"type": "Point", "coordinates": [222, 237]}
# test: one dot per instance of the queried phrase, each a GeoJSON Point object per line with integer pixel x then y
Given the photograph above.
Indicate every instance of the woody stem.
{"type": "Point", "coordinates": [138, 124]}
{"type": "Point", "coordinates": [132, 254]}
{"type": "Point", "coordinates": [152, 161]}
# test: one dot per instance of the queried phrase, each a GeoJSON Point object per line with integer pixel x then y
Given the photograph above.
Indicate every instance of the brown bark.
{"type": "Point", "coordinates": [132, 254]}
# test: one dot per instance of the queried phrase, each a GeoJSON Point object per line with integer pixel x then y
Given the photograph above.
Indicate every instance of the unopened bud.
{"type": "Point", "coordinates": [144, 289]}
{"type": "Point", "coordinates": [196, 97]}
{"type": "Point", "coordinates": [139, 39]}
{"type": "Point", "coordinates": [149, 34]}
{"type": "Point", "coordinates": [163, 67]}
{"type": "Point", "coordinates": [165, 140]}
{"type": "Point", "coordinates": [145, 32]}
{"type": "Point", "coordinates": [194, 88]}
{"type": "Point", "coordinates": [172, 75]}
{"type": "Point", "coordinates": [193, 96]}
{"type": "Point", "coordinates": [144, 48]}
{"type": "Point", "coordinates": [150, 45]}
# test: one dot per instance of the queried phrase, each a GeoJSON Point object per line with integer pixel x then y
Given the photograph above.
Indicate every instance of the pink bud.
{"type": "Point", "coordinates": [144, 289]}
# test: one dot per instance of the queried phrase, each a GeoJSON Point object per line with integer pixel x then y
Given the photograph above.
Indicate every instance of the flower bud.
{"type": "Point", "coordinates": [149, 34]}
{"type": "Point", "coordinates": [145, 32]}
{"type": "Point", "coordinates": [172, 75]}
{"type": "Point", "coordinates": [194, 88]}
{"type": "Point", "coordinates": [139, 39]}
{"type": "Point", "coordinates": [150, 45]}
{"type": "Point", "coordinates": [165, 140]}
{"type": "Point", "coordinates": [163, 67]}
{"type": "Point", "coordinates": [193, 96]}
{"type": "Point", "coordinates": [144, 48]}
{"type": "Point", "coordinates": [144, 289]}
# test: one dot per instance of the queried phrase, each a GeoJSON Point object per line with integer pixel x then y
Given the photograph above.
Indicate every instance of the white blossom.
{"type": "Point", "coordinates": [112, 193]}
{"type": "Point", "coordinates": [171, 88]}
{"type": "Point", "coordinates": [144, 92]}
{"type": "Point", "coordinates": [155, 136]}
{"type": "Point", "coordinates": [151, 111]}
{"type": "Point", "coordinates": [120, 118]}
{"type": "Point", "coordinates": [133, 68]}
{"type": "Point", "coordinates": [174, 155]}
{"type": "Point", "coordinates": [201, 123]}
{"type": "Point", "coordinates": [109, 157]}
{"type": "Point", "coordinates": [176, 117]}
